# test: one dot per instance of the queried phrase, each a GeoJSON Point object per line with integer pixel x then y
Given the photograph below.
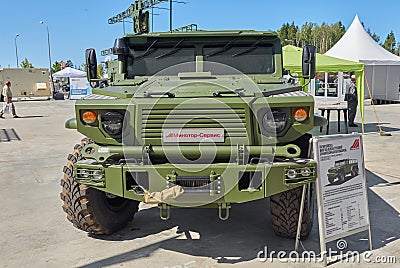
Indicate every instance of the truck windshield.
{"type": "Point", "coordinates": [247, 59]}
{"type": "Point", "coordinates": [250, 58]}
{"type": "Point", "coordinates": [157, 59]}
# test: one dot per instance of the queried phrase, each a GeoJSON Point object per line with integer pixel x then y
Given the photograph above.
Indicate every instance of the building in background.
{"type": "Point", "coordinates": [30, 83]}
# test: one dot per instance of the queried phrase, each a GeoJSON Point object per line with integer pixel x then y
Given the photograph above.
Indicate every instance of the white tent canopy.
{"type": "Point", "coordinates": [382, 68]}
{"type": "Point", "coordinates": [70, 73]}
{"type": "Point", "coordinates": [357, 45]}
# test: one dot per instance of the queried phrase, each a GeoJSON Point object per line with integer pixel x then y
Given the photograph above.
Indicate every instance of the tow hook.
{"type": "Point", "coordinates": [221, 207]}
{"type": "Point", "coordinates": [165, 212]}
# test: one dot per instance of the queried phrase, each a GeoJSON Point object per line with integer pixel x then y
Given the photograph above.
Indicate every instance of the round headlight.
{"type": "Point", "coordinates": [97, 174]}
{"type": "Point", "coordinates": [82, 173]}
{"type": "Point", "coordinates": [112, 123]}
{"type": "Point", "coordinates": [274, 121]}
{"type": "Point", "coordinates": [305, 172]}
{"type": "Point", "coordinates": [291, 173]}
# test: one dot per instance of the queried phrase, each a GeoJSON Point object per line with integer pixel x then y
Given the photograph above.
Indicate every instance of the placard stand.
{"type": "Point", "coordinates": [341, 189]}
{"type": "Point", "coordinates": [303, 197]}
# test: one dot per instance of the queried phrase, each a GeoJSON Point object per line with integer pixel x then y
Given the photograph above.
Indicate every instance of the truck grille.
{"type": "Point", "coordinates": [233, 120]}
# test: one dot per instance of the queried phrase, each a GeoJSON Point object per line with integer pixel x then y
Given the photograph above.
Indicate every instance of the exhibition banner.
{"type": "Point", "coordinates": [79, 87]}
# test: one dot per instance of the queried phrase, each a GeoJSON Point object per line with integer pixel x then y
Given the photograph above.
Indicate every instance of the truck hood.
{"type": "Point", "coordinates": [191, 87]}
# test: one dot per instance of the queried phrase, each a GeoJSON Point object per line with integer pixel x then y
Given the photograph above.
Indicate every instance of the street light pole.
{"type": "Point", "coordinates": [48, 44]}
{"type": "Point", "coordinates": [16, 49]}
{"type": "Point", "coordinates": [170, 16]}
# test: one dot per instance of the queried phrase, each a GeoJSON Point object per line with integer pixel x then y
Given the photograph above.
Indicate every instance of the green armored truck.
{"type": "Point", "coordinates": [198, 119]}
{"type": "Point", "coordinates": [342, 168]}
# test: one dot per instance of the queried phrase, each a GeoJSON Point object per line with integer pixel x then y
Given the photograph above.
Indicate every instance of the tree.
{"type": "Point", "coordinates": [337, 31]}
{"type": "Point", "coordinates": [390, 42]}
{"type": "Point", "coordinates": [69, 64]}
{"type": "Point", "coordinates": [56, 67]}
{"type": "Point", "coordinates": [288, 34]}
{"type": "Point", "coordinates": [373, 35]}
{"type": "Point", "coordinates": [283, 33]}
{"type": "Point", "coordinates": [26, 64]}
{"type": "Point", "coordinates": [322, 37]}
{"type": "Point", "coordinates": [79, 67]}
{"type": "Point", "coordinates": [292, 34]}
{"type": "Point", "coordinates": [306, 34]}
{"type": "Point", "coordinates": [325, 36]}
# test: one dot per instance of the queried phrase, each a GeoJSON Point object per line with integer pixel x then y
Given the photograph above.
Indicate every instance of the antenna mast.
{"type": "Point", "coordinates": [140, 17]}
{"type": "Point", "coordinates": [137, 13]}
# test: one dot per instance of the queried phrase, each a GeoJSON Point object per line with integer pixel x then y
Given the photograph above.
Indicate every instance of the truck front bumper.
{"type": "Point", "coordinates": [212, 183]}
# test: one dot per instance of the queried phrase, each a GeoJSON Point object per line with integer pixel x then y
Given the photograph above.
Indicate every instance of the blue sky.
{"type": "Point", "coordinates": [76, 25]}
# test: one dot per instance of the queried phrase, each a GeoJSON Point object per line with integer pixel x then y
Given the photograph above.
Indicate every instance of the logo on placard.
{"type": "Point", "coordinates": [356, 145]}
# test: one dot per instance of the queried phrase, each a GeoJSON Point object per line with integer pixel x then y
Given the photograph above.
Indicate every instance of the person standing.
{"type": "Point", "coordinates": [7, 94]}
{"type": "Point", "coordinates": [346, 83]}
{"type": "Point", "coordinates": [352, 100]}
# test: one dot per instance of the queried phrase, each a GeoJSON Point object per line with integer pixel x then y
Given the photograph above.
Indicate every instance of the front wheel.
{"type": "Point", "coordinates": [89, 209]}
{"type": "Point", "coordinates": [354, 171]}
{"type": "Point", "coordinates": [331, 179]}
{"type": "Point", "coordinates": [341, 175]}
{"type": "Point", "coordinates": [285, 208]}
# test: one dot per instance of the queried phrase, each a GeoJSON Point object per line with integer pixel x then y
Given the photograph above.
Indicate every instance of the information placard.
{"type": "Point", "coordinates": [342, 190]}
{"type": "Point", "coordinates": [79, 87]}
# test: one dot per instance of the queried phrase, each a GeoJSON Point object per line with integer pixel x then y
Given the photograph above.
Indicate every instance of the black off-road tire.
{"type": "Point", "coordinates": [89, 209]}
{"type": "Point", "coordinates": [341, 176]}
{"type": "Point", "coordinates": [285, 208]}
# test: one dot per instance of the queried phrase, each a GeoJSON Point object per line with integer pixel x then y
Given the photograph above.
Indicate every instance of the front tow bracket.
{"type": "Point", "coordinates": [165, 211]}
{"type": "Point", "coordinates": [221, 207]}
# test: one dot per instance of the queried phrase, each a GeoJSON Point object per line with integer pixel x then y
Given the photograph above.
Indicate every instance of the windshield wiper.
{"type": "Point", "coordinates": [151, 94]}
{"type": "Point", "coordinates": [172, 51]}
{"type": "Point", "coordinates": [238, 92]}
{"type": "Point", "coordinates": [225, 48]}
{"type": "Point", "coordinates": [251, 48]}
{"type": "Point", "coordinates": [147, 52]}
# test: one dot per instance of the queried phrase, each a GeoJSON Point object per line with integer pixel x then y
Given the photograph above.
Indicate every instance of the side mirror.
{"type": "Point", "coordinates": [91, 64]}
{"type": "Point", "coordinates": [308, 62]}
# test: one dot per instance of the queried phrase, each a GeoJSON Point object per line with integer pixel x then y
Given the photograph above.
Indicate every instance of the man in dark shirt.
{"type": "Point", "coordinates": [352, 100]}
